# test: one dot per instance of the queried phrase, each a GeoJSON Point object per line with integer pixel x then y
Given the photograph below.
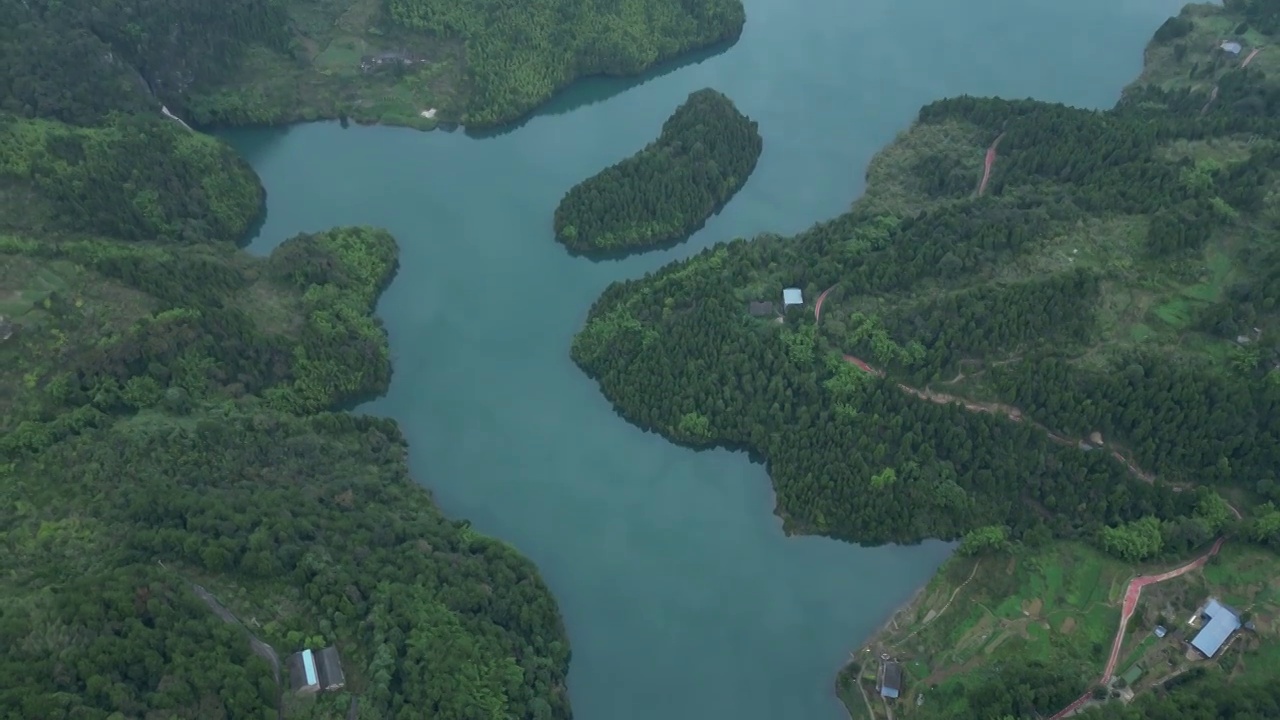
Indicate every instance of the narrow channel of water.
{"type": "Point", "coordinates": [682, 597]}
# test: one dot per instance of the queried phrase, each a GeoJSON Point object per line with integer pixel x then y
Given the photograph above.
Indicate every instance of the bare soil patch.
{"type": "Point", "coordinates": [1033, 607]}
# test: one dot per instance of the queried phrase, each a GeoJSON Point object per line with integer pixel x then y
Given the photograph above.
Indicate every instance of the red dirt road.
{"type": "Point", "coordinates": [862, 365]}
{"type": "Point", "coordinates": [817, 306]}
{"type": "Point", "coordinates": [991, 160]}
{"type": "Point", "coordinates": [1135, 591]}
{"type": "Point", "coordinates": [1131, 596]}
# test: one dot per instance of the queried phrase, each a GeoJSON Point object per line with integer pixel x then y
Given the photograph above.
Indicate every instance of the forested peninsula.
{"type": "Point", "coordinates": [184, 503]}
{"type": "Point", "coordinates": [1050, 333]}
{"type": "Point", "coordinates": [404, 62]}
{"type": "Point", "coordinates": [661, 195]}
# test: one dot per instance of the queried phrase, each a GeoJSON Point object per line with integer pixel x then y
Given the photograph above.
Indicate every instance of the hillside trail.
{"type": "Point", "coordinates": [1134, 590]}
{"type": "Point", "coordinates": [987, 164]}
{"type": "Point", "coordinates": [1009, 411]}
{"type": "Point", "coordinates": [944, 608]}
{"type": "Point", "coordinates": [1131, 596]}
{"type": "Point", "coordinates": [165, 111]}
{"type": "Point", "coordinates": [260, 648]}
{"type": "Point", "coordinates": [1015, 414]}
{"type": "Point", "coordinates": [817, 306]}
{"type": "Point", "coordinates": [1213, 95]}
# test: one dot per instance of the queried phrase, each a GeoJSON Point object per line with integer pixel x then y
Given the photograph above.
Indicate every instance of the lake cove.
{"type": "Point", "coordinates": [682, 597]}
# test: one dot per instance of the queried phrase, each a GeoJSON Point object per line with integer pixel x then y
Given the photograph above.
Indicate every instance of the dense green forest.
{"type": "Point", "coordinates": [1198, 695]}
{"type": "Point", "coordinates": [1082, 345]}
{"type": "Point", "coordinates": [1195, 695]}
{"type": "Point", "coordinates": [666, 191]}
{"type": "Point", "coordinates": [1109, 280]}
{"type": "Point", "coordinates": [480, 62]}
{"type": "Point", "coordinates": [168, 440]}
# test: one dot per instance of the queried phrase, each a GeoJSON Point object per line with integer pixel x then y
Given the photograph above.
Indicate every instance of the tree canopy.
{"type": "Point", "coordinates": [482, 62]}
{"type": "Point", "coordinates": [665, 192]}
{"type": "Point", "coordinates": [1106, 282]}
{"type": "Point", "coordinates": [170, 439]}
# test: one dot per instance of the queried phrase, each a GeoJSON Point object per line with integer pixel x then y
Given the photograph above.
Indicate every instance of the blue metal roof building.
{"type": "Point", "coordinates": [891, 680]}
{"type": "Point", "coordinates": [792, 296]}
{"type": "Point", "coordinates": [1221, 621]}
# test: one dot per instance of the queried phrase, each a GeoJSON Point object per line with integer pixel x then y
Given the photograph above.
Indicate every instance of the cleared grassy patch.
{"type": "Point", "coordinates": [892, 185]}
{"type": "Point", "coordinates": [1057, 605]}
{"type": "Point", "coordinates": [1167, 66]}
{"type": "Point", "coordinates": [57, 309]}
{"type": "Point", "coordinates": [326, 77]}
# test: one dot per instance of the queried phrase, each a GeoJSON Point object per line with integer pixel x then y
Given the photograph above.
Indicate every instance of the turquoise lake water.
{"type": "Point", "coordinates": [683, 598]}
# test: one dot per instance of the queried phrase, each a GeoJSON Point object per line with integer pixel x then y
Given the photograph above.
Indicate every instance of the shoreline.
{"type": "Point", "coordinates": [659, 67]}
{"type": "Point", "coordinates": [868, 645]}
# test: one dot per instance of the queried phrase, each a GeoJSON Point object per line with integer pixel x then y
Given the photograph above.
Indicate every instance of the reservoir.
{"type": "Point", "coordinates": [682, 597]}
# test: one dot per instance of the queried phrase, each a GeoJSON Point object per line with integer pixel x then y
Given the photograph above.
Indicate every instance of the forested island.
{"type": "Point", "coordinates": [1049, 333]}
{"type": "Point", "coordinates": [184, 505]}
{"type": "Point", "coordinates": [666, 191]}
{"type": "Point", "coordinates": [404, 62]}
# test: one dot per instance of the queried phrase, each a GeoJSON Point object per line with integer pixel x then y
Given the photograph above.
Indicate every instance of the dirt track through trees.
{"type": "Point", "coordinates": [260, 648]}
{"type": "Point", "coordinates": [987, 165]}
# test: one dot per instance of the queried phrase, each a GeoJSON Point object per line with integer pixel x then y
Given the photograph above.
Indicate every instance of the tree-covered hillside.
{"type": "Point", "coordinates": [481, 62]}
{"type": "Point", "coordinates": [1039, 324]}
{"type": "Point", "coordinates": [167, 443]}
{"type": "Point", "coordinates": [1108, 278]}
{"type": "Point", "coordinates": [666, 191]}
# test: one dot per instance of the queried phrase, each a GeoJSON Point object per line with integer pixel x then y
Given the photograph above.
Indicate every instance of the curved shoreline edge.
{"type": "Point", "coordinates": [616, 321]}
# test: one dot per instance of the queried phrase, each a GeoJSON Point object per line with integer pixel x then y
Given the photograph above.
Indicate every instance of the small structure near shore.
{"type": "Point", "coordinates": [890, 680]}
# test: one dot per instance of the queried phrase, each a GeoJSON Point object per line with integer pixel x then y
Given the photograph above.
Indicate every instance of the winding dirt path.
{"type": "Point", "coordinates": [1015, 414]}
{"type": "Point", "coordinates": [1212, 96]}
{"type": "Point", "coordinates": [165, 111]}
{"type": "Point", "coordinates": [1134, 590]}
{"type": "Point", "coordinates": [260, 648]}
{"type": "Point", "coordinates": [987, 163]}
{"type": "Point", "coordinates": [950, 600]}
{"type": "Point", "coordinates": [817, 306]}
{"type": "Point", "coordinates": [1131, 596]}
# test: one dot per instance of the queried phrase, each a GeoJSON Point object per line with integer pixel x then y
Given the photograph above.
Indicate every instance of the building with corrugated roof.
{"type": "Point", "coordinates": [303, 676]}
{"type": "Point", "coordinates": [1220, 622]}
{"type": "Point", "coordinates": [329, 668]}
{"type": "Point", "coordinates": [792, 296]}
{"type": "Point", "coordinates": [312, 672]}
{"type": "Point", "coordinates": [891, 680]}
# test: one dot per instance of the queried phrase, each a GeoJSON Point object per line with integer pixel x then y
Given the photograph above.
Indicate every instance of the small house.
{"type": "Point", "coordinates": [890, 680]}
{"type": "Point", "coordinates": [761, 309]}
{"type": "Point", "coordinates": [1219, 623]}
{"type": "Point", "coordinates": [1161, 631]}
{"type": "Point", "coordinates": [792, 296]}
{"type": "Point", "coordinates": [312, 672]}
{"type": "Point", "coordinates": [303, 676]}
{"type": "Point", "coordinates": [329, 668]}
{"type": "Point", "coordinates": [1230, 48]}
